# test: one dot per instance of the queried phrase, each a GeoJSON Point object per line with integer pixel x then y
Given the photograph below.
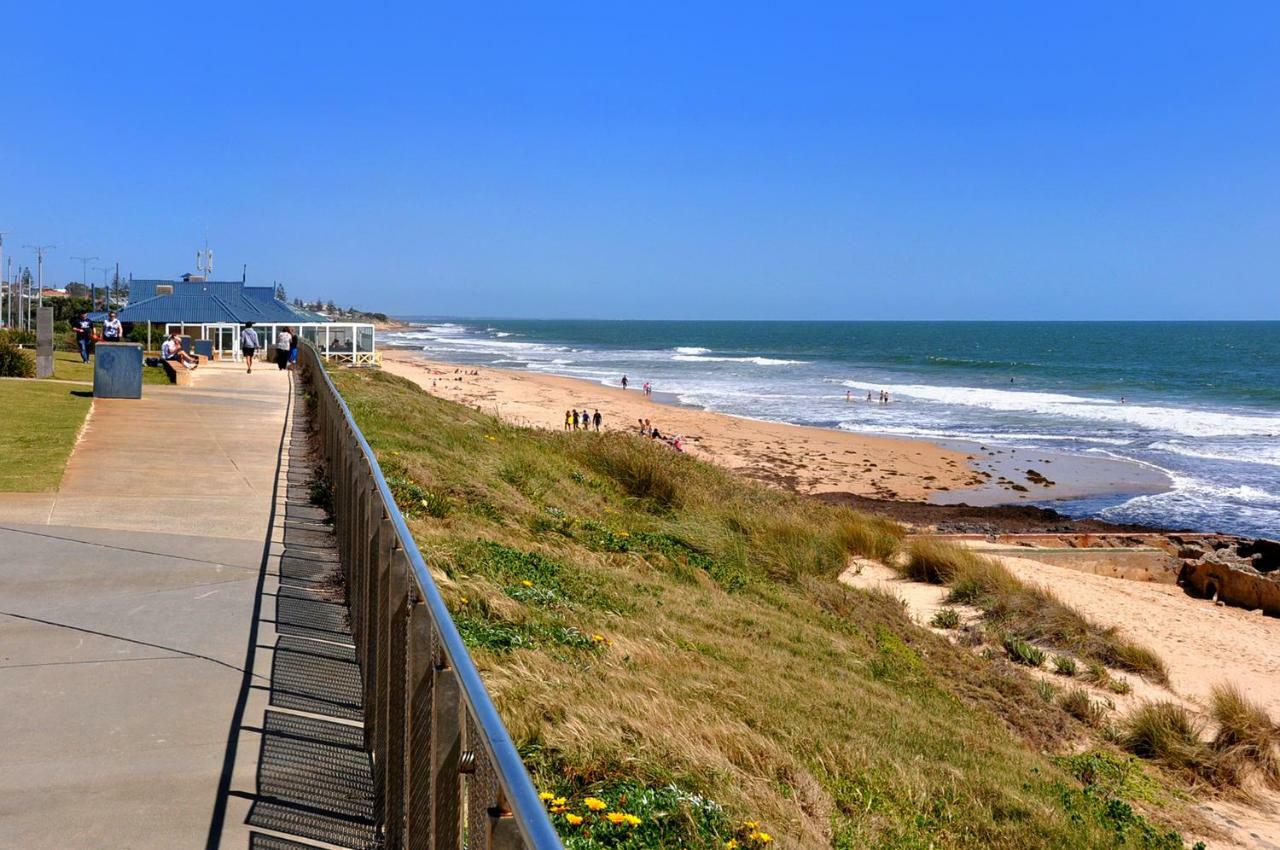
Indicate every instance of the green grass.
{"type": "Point", "coordinates": [67, 366]}
{"type": "Point", "coordinates": [674, 639]}
{"type": "Point", "coordinates": [1025, 611]}
{"type": "Point", "coordinates": [39, 421]}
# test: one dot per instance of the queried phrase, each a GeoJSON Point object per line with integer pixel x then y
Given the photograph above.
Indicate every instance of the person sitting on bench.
{"type": "Point", "coordinates": [171, 350]}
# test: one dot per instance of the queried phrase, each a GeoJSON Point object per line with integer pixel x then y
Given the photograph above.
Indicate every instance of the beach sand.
{"type": "Point", "coordinates": [808, 460]}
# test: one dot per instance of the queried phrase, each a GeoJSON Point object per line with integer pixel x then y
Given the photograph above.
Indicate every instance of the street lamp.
{"type": "Point", "coordinates": [106, 287]}
{"type": "Point", "coordinates": [39, 249]}
{"type": "Point", "coordinates": [84, 278]}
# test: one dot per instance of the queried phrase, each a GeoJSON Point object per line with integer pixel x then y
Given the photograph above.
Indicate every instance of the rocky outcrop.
{"type": "Point", "coordinates": [1231, 570]}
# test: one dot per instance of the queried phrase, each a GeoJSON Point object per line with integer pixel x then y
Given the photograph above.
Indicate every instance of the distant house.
{"type": "Point", "coordinates": [219, 310]}
{"type": "Point", "coordinates": [50, 292]}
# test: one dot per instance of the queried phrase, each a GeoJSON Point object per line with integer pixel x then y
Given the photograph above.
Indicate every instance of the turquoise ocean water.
{"type": "Point", "coordinates": [1201, 400]}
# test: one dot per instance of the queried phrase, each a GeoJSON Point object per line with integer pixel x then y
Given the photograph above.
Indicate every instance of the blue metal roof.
{"type": "Point", "coordinates": [204, 302]}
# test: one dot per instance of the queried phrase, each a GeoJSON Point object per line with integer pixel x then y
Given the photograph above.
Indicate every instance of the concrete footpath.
{"type": "Point", "coordinates": [138, 628]}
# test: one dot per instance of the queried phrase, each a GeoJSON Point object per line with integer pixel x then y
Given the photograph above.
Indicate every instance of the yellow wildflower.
{"type": "Point", "coordinates": [597, 638]}
{"type": "Point", "coordinates": [631, 820]}
{"type": "Point", "coordinates": [751, 824]}
{"type": "Point", "coordinates": [761, 837]}
{"type": "Point", "coordinates": [545, 795]}
{"type": "Point", "coordinates": [615, 818]}
{"type": "Point", "coordinates": [558, 809]}
{"type": "Point", "coordinates": [731, 844]}
{"type": "Point", "coordinates": [559, 801]}
{"type": "Point", "coordinates": [464, 600]}
{"type": "Point", "coordinates": [595, 804]}
{"type": "Point", "coordinates": [573, 819]}
{"type": "Point", "coordinates": [527, 583]}
{"type": "Point", "coordinates": [624, 533]}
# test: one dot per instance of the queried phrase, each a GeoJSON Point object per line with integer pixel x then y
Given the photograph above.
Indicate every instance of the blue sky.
{"type": "Point", "coordinates": [904, 160]}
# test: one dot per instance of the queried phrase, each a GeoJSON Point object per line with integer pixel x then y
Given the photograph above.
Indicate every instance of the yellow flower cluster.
{"type": "Point", "coordinates": [750, 836]}
{"type": "Point", "coordinates": [560, 806]}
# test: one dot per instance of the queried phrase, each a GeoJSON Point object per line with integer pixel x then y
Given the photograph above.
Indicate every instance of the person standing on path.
{"type": "Point", "coordinates": [249, 345]}
{"type": "Point", "coordinates": [596, 420]}
{"type": "Point", "coordinates": [112, 330]}
{"type": "Point", "coordinates": [84, 335]}
{"type": "Point", "coordinates": [293, 351]}
{"type": "Point", "coordinates": [283, 340]}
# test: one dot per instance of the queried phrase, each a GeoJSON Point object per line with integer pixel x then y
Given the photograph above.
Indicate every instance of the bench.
{"type": "Point", "coordinates": [178, 374]}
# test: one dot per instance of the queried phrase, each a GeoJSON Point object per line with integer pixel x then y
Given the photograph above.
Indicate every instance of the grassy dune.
{"type": "Point", "coordinates": [667, 641]}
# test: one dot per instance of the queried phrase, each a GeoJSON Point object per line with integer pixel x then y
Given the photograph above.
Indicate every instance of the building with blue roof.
{"type": "Point", "coordinates": [219, 310]}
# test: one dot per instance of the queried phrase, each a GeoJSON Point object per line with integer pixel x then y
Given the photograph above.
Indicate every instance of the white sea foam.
{"type": "Point", "coordinates": [759, 361]}
{"type": "Point", "coordinates": [1190, 422]}
{"type": "Point", "coordinates": [691, 349]}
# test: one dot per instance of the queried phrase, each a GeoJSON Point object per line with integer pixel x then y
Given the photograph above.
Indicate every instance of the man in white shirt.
{"type": "Point", "coordinates": [284, 340]}
{"type": "Point", "coordinates": [249, 344]}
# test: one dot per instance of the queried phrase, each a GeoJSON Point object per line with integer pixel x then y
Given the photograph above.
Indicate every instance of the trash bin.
{"type": "Point", "coordinates": [204, 347]}
{"type": "Point", "coordinates": [117, 370]}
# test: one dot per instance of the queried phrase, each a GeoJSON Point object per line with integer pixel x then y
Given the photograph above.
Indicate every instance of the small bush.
{"type": "Point", "coordinates": [1021, 652]}
{"type": "Point", "coordinates": [1119, 686]}
{"type": "Point", "coordinates": [946, 618]}
{"type": "Point", "coordinates": [1064, 665]}
{"type": "Point", "coordinates": [1082, 707]}
{"type": "Point", "coordinates": [1045, 690]}
{"type": "Point", "coordinates": [1166, 732]}
{"type": "Point", "coordinates": [1246, 734]}
{"type": "Point", "coordinates": [872, 536]}
{"type": "Point", "coordinates": [14, 363]}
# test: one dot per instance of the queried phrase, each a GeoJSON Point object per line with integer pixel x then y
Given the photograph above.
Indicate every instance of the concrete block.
{"type": "Point", "coordinates": [117, 370]}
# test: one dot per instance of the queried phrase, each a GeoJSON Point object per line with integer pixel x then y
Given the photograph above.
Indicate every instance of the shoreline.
{"type": "Point", "coordinates": [807, 459]}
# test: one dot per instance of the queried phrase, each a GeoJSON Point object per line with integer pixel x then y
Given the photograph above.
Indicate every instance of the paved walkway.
{"type": "Point", "coordinates": [155, 694]}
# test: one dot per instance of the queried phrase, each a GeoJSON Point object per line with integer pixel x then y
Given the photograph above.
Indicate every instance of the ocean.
{"type": "Point", "coordinates": [1197, 400]}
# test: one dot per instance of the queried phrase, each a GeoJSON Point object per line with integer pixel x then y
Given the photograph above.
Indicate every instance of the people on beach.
{"type": "Point", "coordinates": [642, 431]}
{"type": "Point", "coordinates": [568, 419]}
{"type": "Point", "coordinates": [624, 382]}
{"type": "Point", "coordinates": [84, 335]}
{"type": "Point", "coordinates": [848, 395]}
{"type": "Point", "coordinates": [284, 339]}
{"type": "Point", "coordinates": [648, 390]}
{"type": "Point", "coordinates": [112, 330]}
{"type": "Point", "coordinates": [868, 395]}
{"type": "Point", "coordinates": [586, 420]}
{"type": "Point", "coordinates": [249, 345]}
{"type": "Point", "coordinates": [596, 419]}
{"type": "Point", "coordinates": [171, 350]}
{"type": "Point", "coordinates": [575, 419]}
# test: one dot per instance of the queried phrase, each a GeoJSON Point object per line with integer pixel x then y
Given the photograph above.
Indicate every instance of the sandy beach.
{"type": "Point", "coordinates": [806, 459]}
{"type": "Point", "coordinates": [809, 460]}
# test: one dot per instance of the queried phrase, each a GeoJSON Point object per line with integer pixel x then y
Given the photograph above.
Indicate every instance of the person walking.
{"type": "Point", "coordinates": [568, 419]}
{"type": "Point", "coordinates": [293, 351]}
{"type": "Point", "coordinates": [112, 330]}
{"type": "Point", "coordinates": [596, 420]}
{"type": "Point", "coordinates": [283, 340]}
{"type": "Point", "coordinates": [249, 345]}
{"type": "Point", "coordinates": [575, 419]}
{"type": "Point", "coordinates": [624, 382]}
{"type": "Point", "coordinates": [84, 335]}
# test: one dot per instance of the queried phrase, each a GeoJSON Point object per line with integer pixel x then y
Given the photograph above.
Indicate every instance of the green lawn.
{"type": "Point", "coordinates": [68, 367]}
{"type": "Point", "coordinates": [39, 421]}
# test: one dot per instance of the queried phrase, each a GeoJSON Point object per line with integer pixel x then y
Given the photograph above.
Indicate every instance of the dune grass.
{"type": "Point", "coordinates": [39, 421]}
{"type": "Point", "coordinates": [654, 628]}
{"type": "Point", "coordinates": [1024, 611]}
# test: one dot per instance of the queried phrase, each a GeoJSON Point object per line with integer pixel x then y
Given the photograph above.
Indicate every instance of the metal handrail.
{"type": "Point", "coordinates": [518, 797]}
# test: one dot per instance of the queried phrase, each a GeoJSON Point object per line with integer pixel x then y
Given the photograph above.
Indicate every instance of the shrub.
{"type": "Point", "coordinates": [873, 536]}
{"type": "Point", "coordinates": [1021, 652]}
{"type": "Point", "coordinates": [1082, 707]}
{"type": "Point", "coordinates": [16, 336]}
{"type": "Point", "coordinates": [946, 618]}
{"type": "Point", "coordinates": [14, 363]}
{"type": "Point", "coordinates": [1064, 665]}
{"type": "Point", "coordinates": [1045, 690]}
{"type": "Point", "coordinates": [1246, 735]}
{"type": "Point", "coordinates": [642, 469]}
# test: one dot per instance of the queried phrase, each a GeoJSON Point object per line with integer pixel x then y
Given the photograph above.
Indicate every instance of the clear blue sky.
{"type": "Point", "coordinates": [907, 160]}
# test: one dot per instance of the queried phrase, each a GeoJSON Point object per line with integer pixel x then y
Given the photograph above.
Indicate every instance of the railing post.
{"type": "Point", "coordinates": [446, 756]}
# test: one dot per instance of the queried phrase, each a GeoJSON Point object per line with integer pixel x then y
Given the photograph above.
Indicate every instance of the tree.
{"type": "Point", "coordinates": [77, 290]}
{"type": "Point", "coordinates": [280, 293]}
{"type": "Point", "coordinates": [330, 307]}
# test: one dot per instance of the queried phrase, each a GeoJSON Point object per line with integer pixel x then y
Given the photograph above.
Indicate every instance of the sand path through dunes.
{"type": "Point", "coordinates": [809, 460]}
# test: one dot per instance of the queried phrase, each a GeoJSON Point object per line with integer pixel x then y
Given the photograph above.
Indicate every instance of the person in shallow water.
{"type": "Point", "coordinates": [624, 382]}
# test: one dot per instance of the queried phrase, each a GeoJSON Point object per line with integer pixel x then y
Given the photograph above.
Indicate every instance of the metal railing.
{"type": "Point", "coordinates": [445, 770]}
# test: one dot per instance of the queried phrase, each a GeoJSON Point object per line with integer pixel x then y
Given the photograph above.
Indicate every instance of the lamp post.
{"type": "Point", "coordinates": [39, 249]}
{"type": "Point", "coordinates": [84, 278]}
{"type": "Point", "coordinates": [106, 287]}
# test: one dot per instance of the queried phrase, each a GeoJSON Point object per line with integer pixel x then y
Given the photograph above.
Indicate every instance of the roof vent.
{"type": "Point", "coordinates": [164, 289]}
